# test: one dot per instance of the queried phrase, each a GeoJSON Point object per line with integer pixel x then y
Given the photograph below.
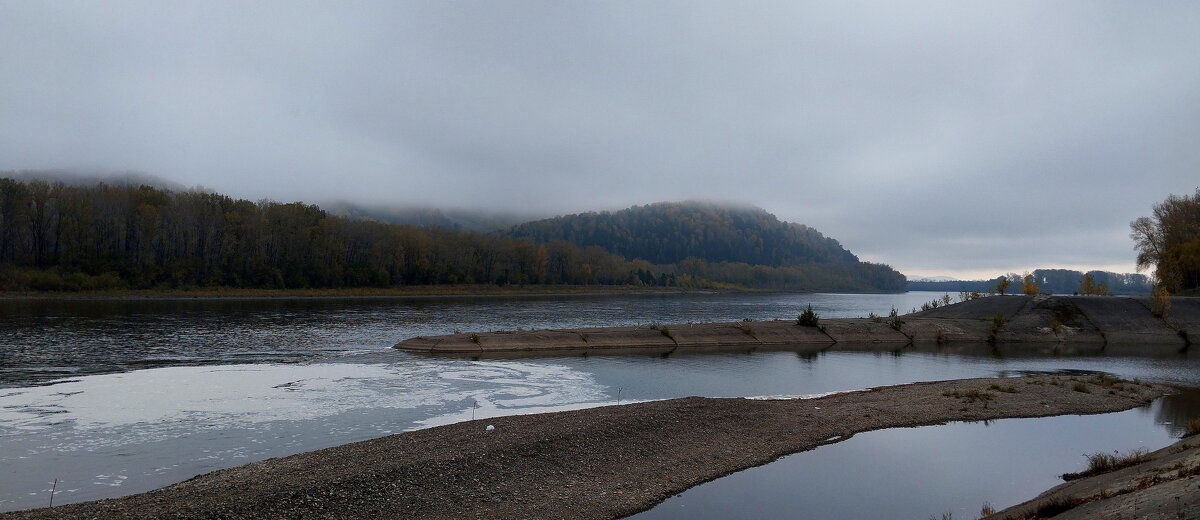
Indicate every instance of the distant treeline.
{"type": "Point", "coordinates": [1053, 281]}
{"type": "Point", "coordinates": [69, 237]}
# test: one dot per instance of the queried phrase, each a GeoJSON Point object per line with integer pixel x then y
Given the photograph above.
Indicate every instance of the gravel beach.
{"type": "Point", "coordinates": [598, 463]}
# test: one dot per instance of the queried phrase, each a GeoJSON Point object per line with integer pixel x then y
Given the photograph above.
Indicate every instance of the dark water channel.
{"type": "Point", "coordinates": [115, 398]}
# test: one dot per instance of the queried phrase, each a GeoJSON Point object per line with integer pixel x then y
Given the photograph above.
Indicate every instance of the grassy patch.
{"type": "Point", "coordinates": [971, 396]}
{"type": "Point", "coordinates": [1100, 463]}
{"type": "Point", "coordinates": [1082, 387]}
{"type": "Point", "coordinates": [1005, 389]}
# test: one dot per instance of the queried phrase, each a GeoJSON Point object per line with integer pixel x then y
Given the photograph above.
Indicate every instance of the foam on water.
{"type": "Point", "coordinates": [139, 430]}
{"type": "Point", "coordinates": [213, 397]}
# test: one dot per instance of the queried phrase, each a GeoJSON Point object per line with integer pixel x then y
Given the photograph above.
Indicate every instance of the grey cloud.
{"type": "Point", "coordinates": [932, 136]}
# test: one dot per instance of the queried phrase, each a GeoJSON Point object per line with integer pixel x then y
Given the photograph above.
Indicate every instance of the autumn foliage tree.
{"type": "Point", "coordinates": [1089, 287]}
{"type": "Point", "coordinates": [1029, 286]}
{"type": "Point", "coordinates": [1169, 242]}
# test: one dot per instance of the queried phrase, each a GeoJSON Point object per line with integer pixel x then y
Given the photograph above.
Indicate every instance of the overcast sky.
{"type": "Point", "coordinates": [948, 138]}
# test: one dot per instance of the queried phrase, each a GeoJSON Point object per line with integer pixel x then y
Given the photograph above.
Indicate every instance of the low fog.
{"type": "Point", "coordinates": [959, 138]}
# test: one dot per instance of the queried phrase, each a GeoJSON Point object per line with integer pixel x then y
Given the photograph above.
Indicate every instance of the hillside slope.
{"type": "Point", "coordinates": [668, 232]}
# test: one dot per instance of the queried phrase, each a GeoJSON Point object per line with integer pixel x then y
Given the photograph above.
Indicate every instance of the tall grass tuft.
{"type": "Point", "coordinates": [1100, 463]}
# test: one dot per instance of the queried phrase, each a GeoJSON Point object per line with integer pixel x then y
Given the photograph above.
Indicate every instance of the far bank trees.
{"type": "Point", "coordinates": [59, 237]}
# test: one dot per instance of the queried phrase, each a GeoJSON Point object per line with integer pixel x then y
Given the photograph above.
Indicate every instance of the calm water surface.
{"type": "Point", "coordinates": [47, 340]}
{"type": "Point", "coordinates": [115, 398]}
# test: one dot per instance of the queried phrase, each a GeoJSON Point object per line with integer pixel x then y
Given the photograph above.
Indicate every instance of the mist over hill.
{"type": "Point", "coordinates": [669, 232]}
{"type": "Point", "coordinates": [70, 177]}
{"type": "Point", "coordinates": [430, 217]}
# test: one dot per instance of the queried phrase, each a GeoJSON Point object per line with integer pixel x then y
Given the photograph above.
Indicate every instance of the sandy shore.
{"type": "Point", "coordinates": [605, 462]}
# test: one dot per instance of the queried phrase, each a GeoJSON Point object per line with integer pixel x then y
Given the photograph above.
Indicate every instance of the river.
{"type": "Point", "coordinates": [118, 397]}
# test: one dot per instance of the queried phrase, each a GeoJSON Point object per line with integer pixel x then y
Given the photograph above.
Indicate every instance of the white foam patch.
{"type": "Point", "coordinates": [234, 395]}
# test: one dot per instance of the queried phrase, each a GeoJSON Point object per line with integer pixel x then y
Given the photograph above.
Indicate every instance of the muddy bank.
{"type": "Point", "coordinates": [598, 463]}
{"type": "Point", "coordinates": [1059, 324]}
{"type": "Point", "coordinates": [1165, 486]}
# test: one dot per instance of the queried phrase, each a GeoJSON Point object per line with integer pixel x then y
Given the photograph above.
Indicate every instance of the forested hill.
{"type": "Point", "coordinates": [70, 237]}
{"type": "Point", "coordinates": [669, 232]}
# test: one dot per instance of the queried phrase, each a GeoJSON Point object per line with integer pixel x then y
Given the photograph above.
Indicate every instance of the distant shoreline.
{"type": "Point", "coordinates": [392, 292]}
{"type": "Point", "coordinates": [413, 291]}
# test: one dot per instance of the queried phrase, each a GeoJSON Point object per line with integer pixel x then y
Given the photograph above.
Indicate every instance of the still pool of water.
{"type": "Point", "coordinates": [918, 473]}
{"type": "Point", "coordinates": [162, 391]}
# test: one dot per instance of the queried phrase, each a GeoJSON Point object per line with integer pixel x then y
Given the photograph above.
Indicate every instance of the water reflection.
{"type": "Point", "coordinates": [918, 473]}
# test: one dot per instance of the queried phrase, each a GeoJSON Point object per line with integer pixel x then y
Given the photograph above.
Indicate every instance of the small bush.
{"type": "Point", "coordinates": [895, 320]}
{"type": "Point", "coordinates": [1082, 387]}
{"type": "Point", "coordinates": [808, 318]}
{"type": "Point", "coordinates": [475, 338]}
{"type": "Point", "coordinates": [1107, 381]}
{"type": "Point", "coordinates": [1005, 389]}
{"type": "Point", "coordinates": [970, 296]}
{"type": "Point", "coordinates": [997, 323]}
{"type": "Point", "coordinates": [746, 328]}
{"type": "Point", "coordinates": [664, 330]}
{"type": "Point", "coordinates": [875, 317]}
